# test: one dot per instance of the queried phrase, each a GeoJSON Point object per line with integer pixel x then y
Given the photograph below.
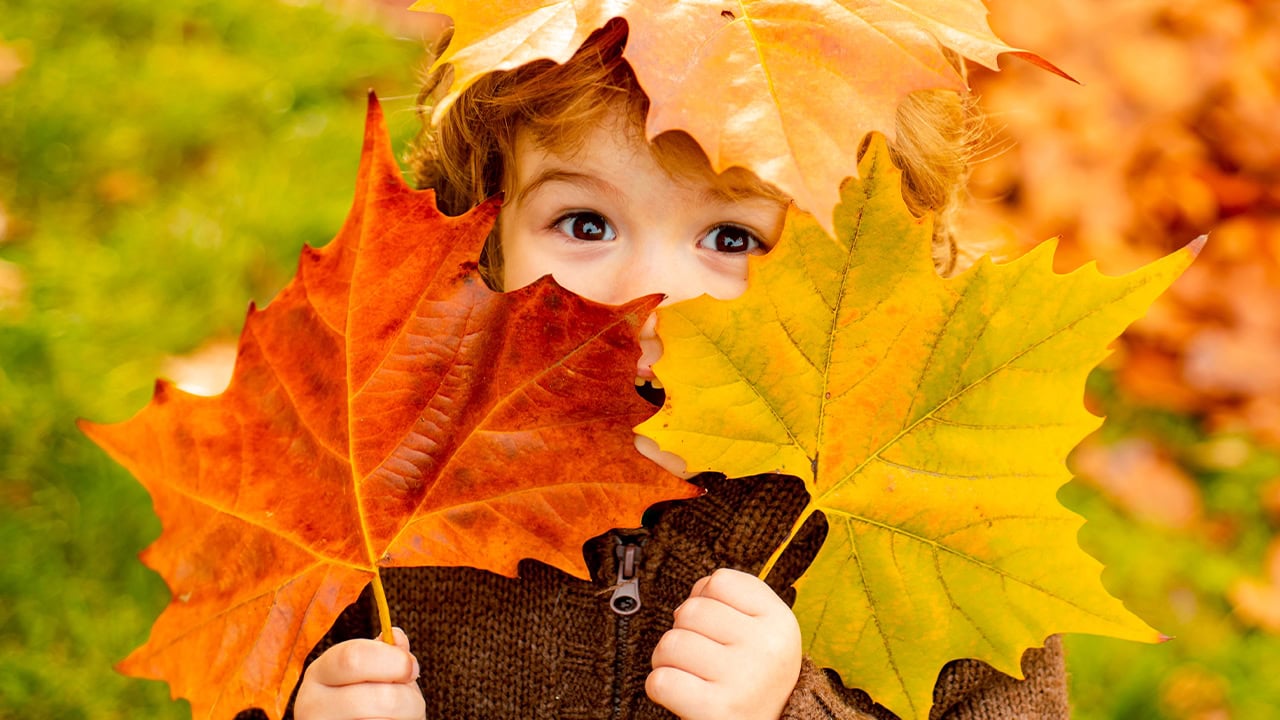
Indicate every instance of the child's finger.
{"type": "Point", "coordinates": [740, 591]}
{"type": "Point", "coordinates": [388, 701]}
{"type": "Point", "coordinates": [402, 642]}
{"type": "Point", "coordinates": [697, 587]}
{"type": "Point", "coordinates": [714, 619]}
{"type": "Point", "coordinates": [678, 691]}
{"type": "Point", "coordinates": [691, 652]}
{"type": "Point", "coordinates": [359, 661]}
{"type": "Point", "coordinates": [401, 639]}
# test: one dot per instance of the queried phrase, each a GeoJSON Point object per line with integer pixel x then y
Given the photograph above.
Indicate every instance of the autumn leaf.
{"type": "Point", "coordinates": [786, 89]}
{"type": "Point", "coordinates": [930, 419]}
{"type": "Point", "coordinates": [386, 409]}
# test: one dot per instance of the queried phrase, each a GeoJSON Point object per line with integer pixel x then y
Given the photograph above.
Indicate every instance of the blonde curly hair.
{"type": "Point", "coordinates": [464, 157]}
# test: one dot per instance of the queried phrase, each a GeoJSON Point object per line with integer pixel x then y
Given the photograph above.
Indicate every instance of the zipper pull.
{"type": "Point", "coordinates": [626, 594]}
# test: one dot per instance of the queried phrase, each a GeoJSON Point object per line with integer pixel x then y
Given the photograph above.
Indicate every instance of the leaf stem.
{"type": "Point", "coordinates": [384, 610]}
{"type": "Point", "coordinates": [795, 530]}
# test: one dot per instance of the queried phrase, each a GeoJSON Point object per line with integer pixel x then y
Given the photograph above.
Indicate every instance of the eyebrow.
{"type": "Point", "coordinates": [555, 174]}
{"type": "Point", "coordinates": [728, 195]}
{"type": "Point", "coordinates": [715, 194]}
{"type": "Point", "coordinates": [736, 194]}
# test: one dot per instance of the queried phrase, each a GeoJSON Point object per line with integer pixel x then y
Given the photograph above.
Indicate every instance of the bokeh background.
{"type": "Point", "coordinates": [161, 164]}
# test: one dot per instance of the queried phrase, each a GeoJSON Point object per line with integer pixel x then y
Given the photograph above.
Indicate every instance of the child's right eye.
{"type": "Point", "coordinates": [586, 226]}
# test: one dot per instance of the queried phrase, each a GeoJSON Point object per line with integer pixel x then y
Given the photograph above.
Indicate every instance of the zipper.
{"type": "Point", "coordinates": [619, 663]}
{"type": "Point", "coordinates": [626, 594]}
{"type": "Point", "coordinates": [625, 602]}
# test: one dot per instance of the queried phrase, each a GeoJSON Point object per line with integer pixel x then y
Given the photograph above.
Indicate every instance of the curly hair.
{"type": "Point", "coordinates": [464, 157]}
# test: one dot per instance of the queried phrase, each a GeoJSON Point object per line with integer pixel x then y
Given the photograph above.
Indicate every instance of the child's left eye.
{"type": "Point", "coordinates": [586, 226]}
{"type": "Point", "coordinates": [730, 239]}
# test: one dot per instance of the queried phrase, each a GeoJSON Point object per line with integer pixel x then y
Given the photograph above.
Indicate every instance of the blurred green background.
{"type": "Point", "coordinates": [161, 164]}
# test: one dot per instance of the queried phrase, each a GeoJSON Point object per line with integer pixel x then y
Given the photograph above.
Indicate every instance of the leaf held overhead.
{"type": "Point", "coordinates": [785, 89]}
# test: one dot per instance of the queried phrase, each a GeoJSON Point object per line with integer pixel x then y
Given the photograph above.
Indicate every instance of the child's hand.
{"type": "Point", "coordinates": [734, 652]}
{"type": "Point", "coordinates": [362, 679]}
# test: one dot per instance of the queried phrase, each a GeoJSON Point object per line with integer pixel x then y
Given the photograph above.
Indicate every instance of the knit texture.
{"type": "Point", "coordinates": [547, 645]}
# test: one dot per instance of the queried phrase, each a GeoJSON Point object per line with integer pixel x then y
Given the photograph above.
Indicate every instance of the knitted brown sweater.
{"type": "Point", "coordinates": [548, 645]}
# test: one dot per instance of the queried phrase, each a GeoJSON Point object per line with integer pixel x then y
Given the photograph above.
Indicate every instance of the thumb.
{"type": "Point", "coordinates": [402, 642]}
{"type": "Point", "coordinates": [401, 639]}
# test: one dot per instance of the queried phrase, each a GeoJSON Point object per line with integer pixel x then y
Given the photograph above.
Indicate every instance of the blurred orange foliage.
{"type": "Point", "coordinates": [1137, 476]}
{"type": "Point", "coordinates": [1258, 599]}
{"type": "Point", "coordinates": [1174, 132]}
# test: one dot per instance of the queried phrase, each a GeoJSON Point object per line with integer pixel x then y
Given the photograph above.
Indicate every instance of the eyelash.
{"type": "Point", "coordinates": [608, 233]}
{"type": "Point", "coordinates": [755, 244]}
{"type": "Point", "coordinates": [569, 217]}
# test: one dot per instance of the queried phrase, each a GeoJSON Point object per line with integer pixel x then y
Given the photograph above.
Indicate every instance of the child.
{"type": "Point", "coordinates": [674, 620]}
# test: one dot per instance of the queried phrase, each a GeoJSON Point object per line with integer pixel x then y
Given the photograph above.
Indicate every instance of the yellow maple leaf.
{"type": "Point", "coordinates": [930, 419]}
{"type": "Point", "coordinates": [784, 88]}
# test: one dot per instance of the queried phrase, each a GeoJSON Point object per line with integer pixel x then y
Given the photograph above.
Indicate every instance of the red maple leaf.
{"type": "Point", "coordinates": [387, 409]}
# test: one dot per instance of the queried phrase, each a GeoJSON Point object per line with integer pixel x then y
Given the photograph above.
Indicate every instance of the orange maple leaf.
{"type": "Point", "coordinates": [387, 409]}
{"type": "Point", "coordinates": [786, 89]}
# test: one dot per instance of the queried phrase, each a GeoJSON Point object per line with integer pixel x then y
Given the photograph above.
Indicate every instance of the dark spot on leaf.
{"type": "Point", "coordinates": [468, 270]}
{"type": "Point", "coordinates": [727, 14]}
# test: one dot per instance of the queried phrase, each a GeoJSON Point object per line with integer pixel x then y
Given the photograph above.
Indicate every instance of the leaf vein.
{"type": "Point", "coordinates": [951, 599]}
{"type": "Point", "coordinates": [958, 476]}
{"type": "Point", "coordinates": [274, 532]}
{"type": "Point", "coordinates": [875, 613]}
{"type": "Point", "coordinates": [293, 401]}
{"type": "Point", "coordinates": [963, 390]}
{"type": "Point", "coordinates": [506, 399]}
{"type": "Point", "coordinates": [995, 570]}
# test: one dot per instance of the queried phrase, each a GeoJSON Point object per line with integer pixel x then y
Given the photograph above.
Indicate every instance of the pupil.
{"type": "Point", "coordinates": [589, 227]}
{"type": "Point", "coordinates": [732, 239]}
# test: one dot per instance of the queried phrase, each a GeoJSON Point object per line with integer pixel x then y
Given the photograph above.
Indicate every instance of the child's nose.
{"type": "Point", "coordinates": [655, 276]}
{"type": "Point", "coordinates": [658, 266]}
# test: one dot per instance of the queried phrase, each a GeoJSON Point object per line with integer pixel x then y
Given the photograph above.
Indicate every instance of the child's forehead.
{"type": "Point", "coordinates": [616, 138]}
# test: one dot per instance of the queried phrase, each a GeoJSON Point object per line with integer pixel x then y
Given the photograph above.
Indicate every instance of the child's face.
{"type": "Point", "coordinates": [611, 224]}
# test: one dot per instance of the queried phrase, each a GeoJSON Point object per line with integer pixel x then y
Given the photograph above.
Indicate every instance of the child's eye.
{"type": "Point", "coordinates": [731, 239]}
{"type": "Point", "coordinates": [586, 226]}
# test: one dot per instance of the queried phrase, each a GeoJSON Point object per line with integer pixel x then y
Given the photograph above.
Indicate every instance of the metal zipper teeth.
{"type": "Point", "coordinates": [628, 551]}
